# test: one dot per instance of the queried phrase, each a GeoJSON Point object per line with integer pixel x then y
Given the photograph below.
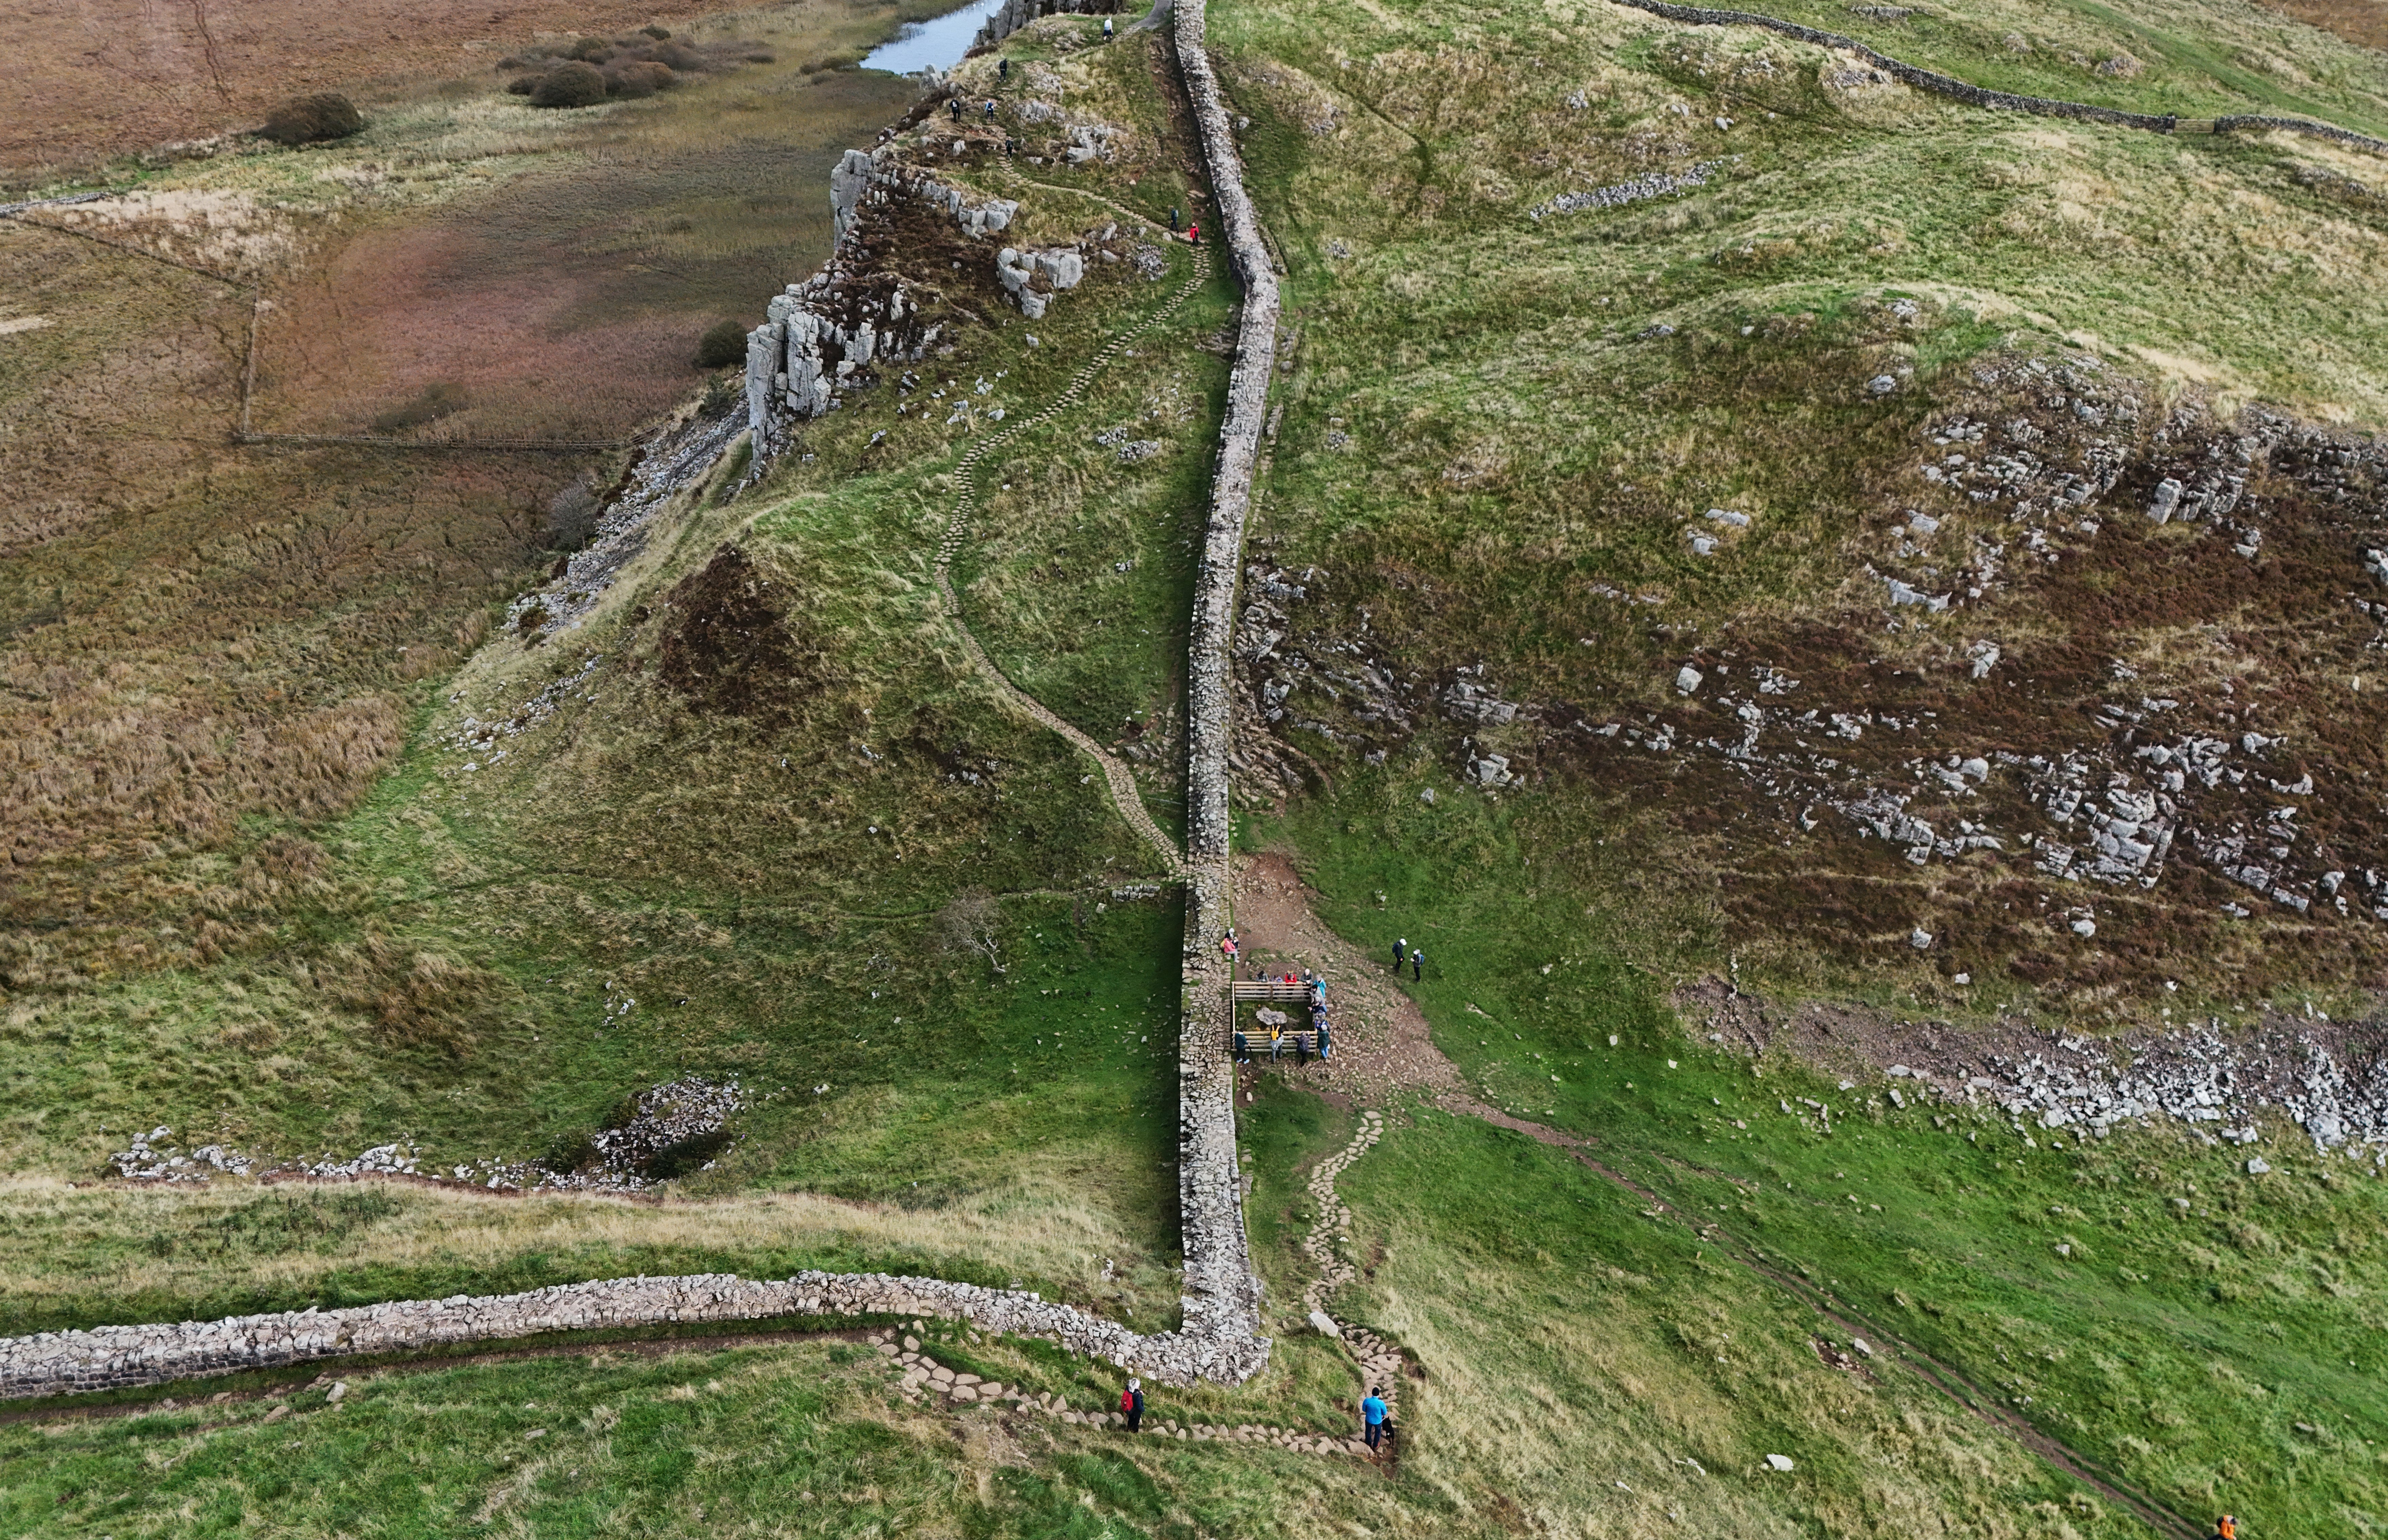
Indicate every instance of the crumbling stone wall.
{"type": "Point", "coordinates": [1975, 95]}
{"type": "Point", "coordinates": [117, 1358]}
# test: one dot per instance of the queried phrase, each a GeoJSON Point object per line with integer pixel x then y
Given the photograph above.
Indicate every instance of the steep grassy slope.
{"type": "Point", "coordinates": [1817, 420]}
{"type": "Point", "coordinates": [2202, 1333]}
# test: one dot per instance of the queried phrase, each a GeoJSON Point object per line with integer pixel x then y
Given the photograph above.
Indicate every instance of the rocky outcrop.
{"type": "Point", "coordinates": [839, 329]}
{"type": "Point", "coordinates": [1012, 15]}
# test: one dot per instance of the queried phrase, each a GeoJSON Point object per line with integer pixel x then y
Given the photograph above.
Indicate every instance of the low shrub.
{"type": "Point", "coordinates": [591, 50]}
{"type": "Point", "coordinates": [571, 84]}
{"type": "Point", "coordinates": [661, 34]}
{"type": "Point", "coordinates": [521, 85]}
{"type": "Point", "coordinates": [313, 119]}
{"type": "Point", "coordinates": [572, 517]}
{"type": "Point", "coordinates": [642, 79]}
{"type": "Point", "coordinates": [724, 343]}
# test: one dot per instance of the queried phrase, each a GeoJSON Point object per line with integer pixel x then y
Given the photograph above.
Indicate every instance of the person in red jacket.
{"type": "Point", "coordinates": [1132, 1405]}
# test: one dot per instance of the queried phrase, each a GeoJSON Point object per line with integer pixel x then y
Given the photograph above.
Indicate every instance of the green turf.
{"type": "Point", "coordinates": [2182, 1349]}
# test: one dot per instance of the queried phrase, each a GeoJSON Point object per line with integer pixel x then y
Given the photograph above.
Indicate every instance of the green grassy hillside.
{"type": "Point", "coordinates": [760, 820]}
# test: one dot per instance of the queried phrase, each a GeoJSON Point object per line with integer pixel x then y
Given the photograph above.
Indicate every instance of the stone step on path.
{"type": "Point", "coordinates": [1380, 1361]}
{"type": "Point", "coordinates": [921, 1377]}
{"type": "Point", "coordinates": [1117, 776]}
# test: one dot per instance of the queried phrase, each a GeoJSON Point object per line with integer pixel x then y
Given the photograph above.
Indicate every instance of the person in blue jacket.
{"type": "Point", "coordinates": [1372, 1412]}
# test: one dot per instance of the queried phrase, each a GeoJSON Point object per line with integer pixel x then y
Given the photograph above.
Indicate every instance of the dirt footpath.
{"type": "Point", "coordinates": [1382, 1046]}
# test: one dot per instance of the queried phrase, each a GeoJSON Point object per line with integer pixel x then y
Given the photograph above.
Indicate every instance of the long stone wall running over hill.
{"type": "Point", "coordinates": [1218, 1259]}
{"type": "Point", "coordinates": [115, 1358]}
{"type": "Point", "coordinates": [1975, 95]}
{"type": "Point", "coordinates": [1219, 1338]}
{"type": "Point", "coordinates": [1209, 661]}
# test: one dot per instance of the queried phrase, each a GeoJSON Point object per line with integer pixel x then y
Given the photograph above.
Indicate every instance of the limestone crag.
{"type": "Point", "coordinates": [839, 329]}
{"type": "Point", "coordinates": [1012, 15]}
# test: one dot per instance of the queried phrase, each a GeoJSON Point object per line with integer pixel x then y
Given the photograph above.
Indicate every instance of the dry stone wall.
{"type": "Point", "coordinates": [1209, 659]}
{"type": "Point", "coordinates": [1218, 1260]}
{"type": "Point", "coordinates": [1975, 95]}
{"type": "Point", "coordinates": [116, 1358]}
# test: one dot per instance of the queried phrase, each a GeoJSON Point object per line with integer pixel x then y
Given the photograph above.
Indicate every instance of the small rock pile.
{"type": "Point", "coordinates": [154, 1156]}
{"type": "Point", "coordinates": [665, 1118]}
{"type": "Point", "coordinates": [1657, 185]}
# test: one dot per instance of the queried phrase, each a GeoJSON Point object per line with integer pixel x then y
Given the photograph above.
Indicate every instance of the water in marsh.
{"type": "Point", "coordinates": [935, 45]}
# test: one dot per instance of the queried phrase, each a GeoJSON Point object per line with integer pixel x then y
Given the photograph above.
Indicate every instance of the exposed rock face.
{"type": "Point", "coordinates": [1012, 15]}
{"type": "Point", "coordinates": [856, 318]}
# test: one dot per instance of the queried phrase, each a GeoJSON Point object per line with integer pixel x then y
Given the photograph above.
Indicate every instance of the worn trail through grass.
{"type": "Point", "coordinates": [1404, 1061]}
{"type": "Point", "coordinates": [1117, 775]}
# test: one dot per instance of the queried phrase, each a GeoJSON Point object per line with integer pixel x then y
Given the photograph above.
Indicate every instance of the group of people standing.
{"type": "Point", "coordinates": [1315, 984]}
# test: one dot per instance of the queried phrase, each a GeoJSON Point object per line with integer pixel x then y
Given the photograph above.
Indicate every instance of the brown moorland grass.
{"type": "Point", "coordinates": [2363, 22]}
{"type": "Point", "coordinates": [120, 76]}
{"type": "Point", "coordinates": [204, 644]}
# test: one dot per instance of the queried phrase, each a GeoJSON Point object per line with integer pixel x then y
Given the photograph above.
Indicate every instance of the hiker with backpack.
{"type": "Point", "coordinates": [1132, 1405]}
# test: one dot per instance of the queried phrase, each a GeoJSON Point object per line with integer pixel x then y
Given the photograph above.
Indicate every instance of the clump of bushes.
{"type": "Point", "coordinates": [624, 68]}
{"type": "Point", "coordinates": [724, 343]}
{"type": "Point", "coordinates": [640, 78]}
{"type": "Point", "coordinates": [314, 119]}
{"type": "Point", "coordinates": [571, 83]}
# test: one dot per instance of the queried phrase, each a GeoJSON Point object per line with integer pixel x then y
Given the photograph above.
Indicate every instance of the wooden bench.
{"type": "Point", "coordinates": [1302, 1042]}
